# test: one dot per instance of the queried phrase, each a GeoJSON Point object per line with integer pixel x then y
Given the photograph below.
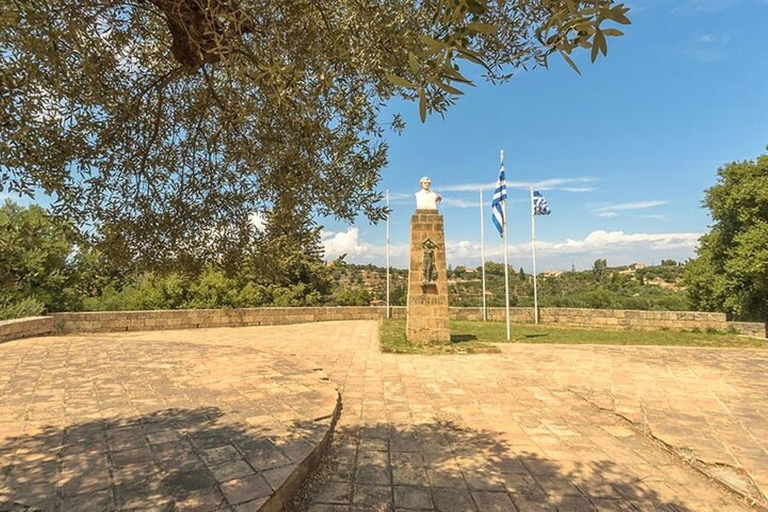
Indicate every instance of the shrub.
{"type": "Point", "coordinates": [28, 306]}
{"type": "Point", "coordinates": [356, 296]}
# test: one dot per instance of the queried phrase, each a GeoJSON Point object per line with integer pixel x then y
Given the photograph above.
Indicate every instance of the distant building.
{"type": "Point", "coordinates": [637, 266]}
{"type": "Point", "coordinates": [552, 273]}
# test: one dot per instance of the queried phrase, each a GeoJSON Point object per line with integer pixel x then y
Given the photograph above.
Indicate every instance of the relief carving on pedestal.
{"type": "Point", "coordinates": [429, 270]}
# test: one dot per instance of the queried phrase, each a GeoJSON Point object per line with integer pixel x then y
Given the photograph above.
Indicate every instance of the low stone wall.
{"type": "Point", "coordinates": [602, 318]}
{"type": "Point", "coordinates": [755, 329]}
{"type": "Point", "coordinates": [194, 318]}
{"type": "Point", "coordinates": [517, 315]}
{"type": "Point", "coordinates": [25, 327]}
{"type": "Point", "coordinates": [113, 321]}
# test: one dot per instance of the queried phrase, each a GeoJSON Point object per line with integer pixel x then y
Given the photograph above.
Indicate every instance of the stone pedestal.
{"type": "Point", "coordinates": [428, 320]}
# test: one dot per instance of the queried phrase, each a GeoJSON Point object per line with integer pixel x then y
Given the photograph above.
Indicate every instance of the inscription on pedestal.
{"type": "Point", "coordinates": [426, 300]}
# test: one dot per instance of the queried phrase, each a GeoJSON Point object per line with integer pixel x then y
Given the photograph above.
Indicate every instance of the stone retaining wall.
{"type": "Point", "coordinates": [195, 318]}
{"type": "Point", "coordinates": [603, 318]}
{"type": "Point", "coordinates": [25, 327]}
{"type": "Point", "coordinates": [756, 329]}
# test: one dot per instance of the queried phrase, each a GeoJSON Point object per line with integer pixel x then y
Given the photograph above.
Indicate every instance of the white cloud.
{"type": "Point", "coordinates": [611, 209]}
{"type": "Point", "coordinates": [578, 189]}
{"type": "Point", "coordinates": [556, 184]}
{"type": "Point", "coordinates": [400, 197]}
{"type": "Point", "coordinates": [655, 217]}
{"type": "Point", "coordinates": [358, 251]}
{"type": "Point", "coordinates": [459, 203]}
{"type": "Point", "coordinates": [548, 184]}
{"type": "Point", "coordinates": [707, 48]}
{"type": "Point", "coordinates": [637, 205]}
{"type": "Point", "coordinates": [597, 242]}
{"type": "Point", "coordinates": [691, 7]}
{"type": "Point", "coordinates": [342, 242]}
{"type": "Point", "coordinates": [618, 247]}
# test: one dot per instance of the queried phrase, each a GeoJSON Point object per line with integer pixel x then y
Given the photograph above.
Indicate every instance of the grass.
{"type": "Point", "coordinates": [473, 337]}
{"type": "Point", "coordinates": [392, 335]}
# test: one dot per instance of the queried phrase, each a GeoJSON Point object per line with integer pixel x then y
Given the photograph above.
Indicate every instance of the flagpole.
{"type": "Point", "coordinates": [482, 253]}
{"type": "Point", "coordinates": [506, 258]}
{"type": "Point", "coordinates": [533, 248]}
{"type": "Point", "coordinates": [389, 310]}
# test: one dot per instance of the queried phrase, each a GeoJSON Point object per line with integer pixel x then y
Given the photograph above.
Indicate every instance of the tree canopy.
{"type": "Point", "coordinates": [731, 271]}
{"type": "Point", "coordinates": [35, 257]}
{"type": "Point", "coordinates": [161, 125]}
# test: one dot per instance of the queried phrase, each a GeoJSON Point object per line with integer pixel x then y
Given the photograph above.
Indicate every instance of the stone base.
{"type": "Point", "coordinates": [428, 320]}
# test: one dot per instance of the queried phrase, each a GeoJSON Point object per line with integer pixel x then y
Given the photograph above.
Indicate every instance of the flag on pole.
{"type": "Point", "coordinates": [499, 196]}
{"type": "Point", "coordinates": [540, 206]}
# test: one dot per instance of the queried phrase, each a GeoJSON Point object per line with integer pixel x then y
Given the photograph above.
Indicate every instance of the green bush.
{"type": "Point", "coordinates": [26, 307]}
{"type": "Point", "coordinates": [211, 290]}
{"type": "Point", "coordinates": [35, 259]}
{"type": "Point", "coordinates": [356, 296]}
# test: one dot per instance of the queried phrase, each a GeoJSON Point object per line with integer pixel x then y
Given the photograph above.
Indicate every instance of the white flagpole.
{"type": "Point", "coordinates": [506, 257]}
{"type": "Point", "coordinates": [482, 253]}
{"type": "Point", "coordinates": [389, 310]}
{"type": "Point", "coordinates": [533, 248]}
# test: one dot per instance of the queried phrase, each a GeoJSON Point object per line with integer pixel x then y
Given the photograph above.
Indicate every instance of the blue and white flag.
{"type": "Point", "coordinates": [499, 196]}
{"type": "Point", "coordinates": [540, 206]}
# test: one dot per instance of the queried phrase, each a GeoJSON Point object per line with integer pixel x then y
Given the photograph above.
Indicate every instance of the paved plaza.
{"type": "Point", "coordinates": [537, 427]}
{"type": "Point", "coordinates": [95, 423]}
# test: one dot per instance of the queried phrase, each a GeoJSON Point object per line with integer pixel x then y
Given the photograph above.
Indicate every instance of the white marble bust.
{"type": "Point", "coordinates": [426, 199]}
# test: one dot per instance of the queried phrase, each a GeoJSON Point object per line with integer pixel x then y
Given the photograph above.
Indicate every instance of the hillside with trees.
{"type": "Point", "coordinates": [602, 287]}
{"type": "Point", "coordinates": [45, 266]}
{"type": "Point", "coordinates": [44, 269]}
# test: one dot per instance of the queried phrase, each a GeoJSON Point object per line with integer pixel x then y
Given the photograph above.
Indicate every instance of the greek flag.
{"type": "Point", "coordinates": [499, 195]}
{"type": "Point", "coordinates": [540, 206]}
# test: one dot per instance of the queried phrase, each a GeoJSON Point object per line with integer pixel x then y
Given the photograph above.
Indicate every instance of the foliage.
{"type": "Point", "coordinates": [40, 264]}
{"type": "Point", "coordinates": [162, 125]}
{"type": "Point", "coordinates": [35, 258]}
{"type": "Point", "coordinates": [610, 288]}
{"type": "Point", "coordinates": [28, 306]}
{"type": "Point", "coordinates": [730, 273]}
{"type": "Point", "coordinates": [287, 256]}
{"type": "Point", "coordinates": [599, 268]}
{"type": "Point", "coordinates": [356, 296]}
{"type": "Point", "coordinates": [485, 334]}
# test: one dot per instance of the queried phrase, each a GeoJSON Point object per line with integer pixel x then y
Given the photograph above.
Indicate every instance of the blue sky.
{"type": "Point", "coordinates": [623, 152]}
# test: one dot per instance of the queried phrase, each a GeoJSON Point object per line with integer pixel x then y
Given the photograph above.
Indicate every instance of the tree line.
{"type": "Point", "coordinates": [46, 265]}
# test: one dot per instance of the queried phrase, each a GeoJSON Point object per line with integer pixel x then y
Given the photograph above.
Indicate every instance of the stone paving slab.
{"type": "Point", "coordinates": [709, 405]}
{"type": "Point", "coordinates": [97, 423]}
{"type": "Point", "coordinates": [482, 432]}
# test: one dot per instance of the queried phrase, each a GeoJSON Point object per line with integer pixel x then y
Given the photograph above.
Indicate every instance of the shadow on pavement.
{"type": "Point", "coordinates": [175, 459]}
{"type": "Point", "coordinates": [445, 467]}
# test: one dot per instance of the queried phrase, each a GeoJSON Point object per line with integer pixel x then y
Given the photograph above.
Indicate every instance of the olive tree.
{"type": "Point", "coordinates": [160, 125]}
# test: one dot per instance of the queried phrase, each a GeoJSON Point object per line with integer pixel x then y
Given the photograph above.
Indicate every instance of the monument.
{"type": "Point", "coordinates": [427, 320]}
